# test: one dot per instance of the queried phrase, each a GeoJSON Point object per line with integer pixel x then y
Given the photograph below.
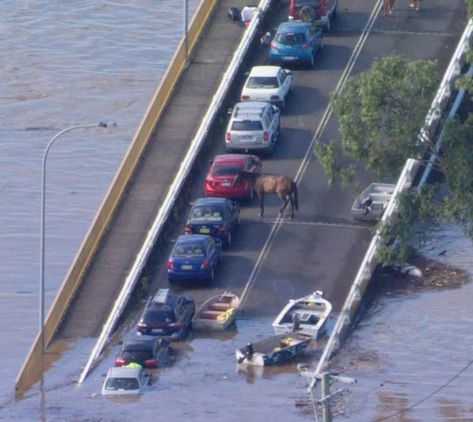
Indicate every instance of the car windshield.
{"type": "Point", "coordinates": [207, 213]}
{"type": "Point", "coordinates": [122, 384]}
{"type": "Point", "coordinates": [226, 170]}
{"type": "Point", "coordinates": [247, 125]}
{"type": "Point", "coordinates": [158, 316]}
{"type": "Point", "coordinates": [290, 38]}
{"type": "Point", "coordinates": [188, 249]}
{"type": "Point", "coordinates": [136, 355]}
{"type": "Point", "coordinates": [263, 82]}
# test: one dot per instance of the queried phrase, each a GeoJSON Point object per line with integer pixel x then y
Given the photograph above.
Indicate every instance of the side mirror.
{"type": "Point", "coordinates": [229, 111]}
{"type": "Point", "coordinates": [275, 108]}
{"type": "Point", "coordinates": [288, 72]}
{"type": "Point", "coordinates": [211, 161]}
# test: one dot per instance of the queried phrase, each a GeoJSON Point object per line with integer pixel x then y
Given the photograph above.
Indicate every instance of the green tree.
{"type": "Point", "coordinates": [380, 113]}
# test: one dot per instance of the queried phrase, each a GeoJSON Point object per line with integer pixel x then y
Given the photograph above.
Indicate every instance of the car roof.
{"type": "Point", "coordinates": [211, 201]}
{"type": "Point", "coordinates": [139, 343]}
{"type": "Point", "coordinates": [248, 109]}
{"type": "Point", "coordinates": [293, 26]}
{"type": "Point", "coordinates": [265, 70]}
{"type": "Point", "coordinates": [186, 238]}
{"type": "Point", "coordinates": [230, 158]}
{"type": "Point", "coordinates": [124, 372]}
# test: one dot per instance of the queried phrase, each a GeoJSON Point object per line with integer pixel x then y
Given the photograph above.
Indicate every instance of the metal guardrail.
{"type": "Point", "coordinates": [177, 185]}
{"type": "Point", "coordinates": [370, 261]}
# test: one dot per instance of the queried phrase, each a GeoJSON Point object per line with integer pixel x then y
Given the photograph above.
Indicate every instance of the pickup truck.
{"type": "Point", "coordinates": [321, 12]}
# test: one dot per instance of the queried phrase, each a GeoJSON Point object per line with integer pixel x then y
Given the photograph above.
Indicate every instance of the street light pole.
{"type": "Point", "coordinates": [186, 18]}
{"type": "Point", "coordinates": [43, 219]}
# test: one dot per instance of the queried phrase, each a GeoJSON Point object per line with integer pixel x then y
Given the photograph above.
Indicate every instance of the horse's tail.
{"type": "Point", "coordinates": [296, 196]}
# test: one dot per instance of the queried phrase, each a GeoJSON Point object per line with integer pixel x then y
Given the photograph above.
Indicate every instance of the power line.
{"type": "Point", "coordinates": [400, 412]}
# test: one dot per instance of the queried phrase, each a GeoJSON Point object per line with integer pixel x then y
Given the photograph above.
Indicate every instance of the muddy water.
{"type": "Point", "coordinates": [65, 63]}
{"type": "Point", "coordinates": [411, 353]}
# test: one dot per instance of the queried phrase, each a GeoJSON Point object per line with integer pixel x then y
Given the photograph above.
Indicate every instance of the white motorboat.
{"type": "Point", "coordinates": [306, 316]}
{"type": "Point", "coordinates": [372, 202]}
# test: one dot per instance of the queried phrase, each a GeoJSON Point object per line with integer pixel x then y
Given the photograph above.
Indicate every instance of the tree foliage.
{"type": "Point", "coordinates": [380, 113]}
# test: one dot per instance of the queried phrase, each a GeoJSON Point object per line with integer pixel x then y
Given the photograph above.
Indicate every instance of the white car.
{"type": "Point", "coordinates": [124, 380]}
{"type": "Point", "coordinates": [267, 83]}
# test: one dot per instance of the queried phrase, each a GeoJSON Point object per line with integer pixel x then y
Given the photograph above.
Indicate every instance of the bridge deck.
{"type": "Point", "coordinates": [154, 174]}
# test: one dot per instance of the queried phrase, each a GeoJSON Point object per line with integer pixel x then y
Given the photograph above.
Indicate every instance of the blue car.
{"type": "Point", "coordinates": [296, 42]}
{"type": "Point", "coordinates": [194, 257]}
{"type": "Point", "coordinates": [217, 217]}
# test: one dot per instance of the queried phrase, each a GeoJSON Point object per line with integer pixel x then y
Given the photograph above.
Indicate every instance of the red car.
{"type": "Point", "coordinates": [222, 177]}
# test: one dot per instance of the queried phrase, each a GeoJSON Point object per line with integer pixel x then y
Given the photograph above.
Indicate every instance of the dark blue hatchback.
{"type": "Point", "coordinates": [194, 257]}
{"type": "Point", "coordinates": [217, 217]}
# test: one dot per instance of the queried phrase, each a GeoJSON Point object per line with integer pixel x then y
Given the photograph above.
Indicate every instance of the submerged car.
{"type": "Point", "coordinates": [296, 42]}
{"type": "Point", "coordinates": [147, 351]}
{"type": "Point", "coordinates": [253, 126]}
{"type": "Point", "coordinates": [223, 177]}
{"type": "Point", "coordinates": [121, 381]}
{"type": "Point", "coordinates": [194, 258]}
{"type": "Point", "coordinates": [167, 315]}
{"type": "Point", "coordinates": [268, 83]}
{"type": "Point", "coordinates": [217, 217]}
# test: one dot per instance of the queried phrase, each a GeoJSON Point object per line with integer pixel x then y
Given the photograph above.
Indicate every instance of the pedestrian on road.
{"type": "Point", "coordinates": [415, 4]}
{"type": "Point", "coordinates": [388, 6]}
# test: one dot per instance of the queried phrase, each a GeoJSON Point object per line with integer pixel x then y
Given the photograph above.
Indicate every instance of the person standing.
{"type": "Point", "coordinates": [415, 4]}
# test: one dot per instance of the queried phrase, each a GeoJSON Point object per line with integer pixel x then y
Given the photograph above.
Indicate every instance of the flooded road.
{"type": "Point", "coordinates": [81, 62]}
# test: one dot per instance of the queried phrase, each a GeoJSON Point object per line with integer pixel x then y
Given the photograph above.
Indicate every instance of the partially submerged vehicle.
{"type": "Point", "coordinates": [273, 350]}
{"type": "Point", "coordinates": [124, 381]}
{"type": "Point", "coordinates": [372, 201]}
{"type": "Point", "coordinates": [307, 316]}
{"type": "Point", "coordinates": [217, 313]}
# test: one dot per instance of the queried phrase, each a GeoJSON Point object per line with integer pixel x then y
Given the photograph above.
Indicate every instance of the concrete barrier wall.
{"type": "Point", "coordinates": [35, 363]}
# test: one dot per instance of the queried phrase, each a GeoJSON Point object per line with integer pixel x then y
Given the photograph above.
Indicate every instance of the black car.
{"type": "Point", "coordinates": [167, 315]}
{"type": "Point", "coordinates": [149, 352]}
{"type": "Point", "coordinates": [217, 217]}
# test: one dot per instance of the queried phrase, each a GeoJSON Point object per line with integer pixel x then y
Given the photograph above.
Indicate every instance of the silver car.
{"type": "Point", "coordinates": [124, 380]}
{"type": "Point", "coordinates": [253, 126]}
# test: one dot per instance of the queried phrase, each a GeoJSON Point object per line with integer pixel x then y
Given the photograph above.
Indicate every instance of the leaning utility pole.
{"type": "Point", "coordinates": [326, 396]}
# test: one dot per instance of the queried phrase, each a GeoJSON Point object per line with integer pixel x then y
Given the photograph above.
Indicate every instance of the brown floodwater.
{"type": "Point", "coordinates": [65, 63]}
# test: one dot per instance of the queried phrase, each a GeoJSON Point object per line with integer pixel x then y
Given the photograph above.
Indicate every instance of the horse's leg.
{"type": "Point", "coordinates": [292, 206]}
{"type": "Point", "coordinates": [261, 202]}
{"type": "Point", "coordinates": [284, 205]}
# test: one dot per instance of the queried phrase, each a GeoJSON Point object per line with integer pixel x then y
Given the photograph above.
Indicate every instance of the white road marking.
{"type": "Point", "coordinates": [305, 162]}
{"type": "Point", "coordinates": [311, 223]}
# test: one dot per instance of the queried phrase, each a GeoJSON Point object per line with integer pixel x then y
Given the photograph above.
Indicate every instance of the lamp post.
{"type": "Point", "coordinates": [185, 29]}
{"type": "Point", "coordinates": [43, 217]}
